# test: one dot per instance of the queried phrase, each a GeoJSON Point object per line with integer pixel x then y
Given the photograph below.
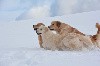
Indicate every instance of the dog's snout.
{"type": "Point", "coordinates": [38, 34]}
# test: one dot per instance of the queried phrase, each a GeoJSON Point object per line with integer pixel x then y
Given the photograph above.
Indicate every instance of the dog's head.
{"type": "Point", "coordinates": [41, 29]}
{"type": "Point", "coordinates": [54, 25]}
{"type": "Point", "coordinates": [98, 27]}
{"type": "Point", "coordinates": [37, 26]}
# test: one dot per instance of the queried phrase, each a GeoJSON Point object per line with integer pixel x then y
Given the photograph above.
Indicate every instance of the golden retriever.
{"type": "Point", "coordinates": [39, 36]}
{"type": "Point", "coordinates": [50, 40]}
{"type": "Point", "coordinates": [62, 28]}
{"type": "Point", "coordinates": [71, 41]}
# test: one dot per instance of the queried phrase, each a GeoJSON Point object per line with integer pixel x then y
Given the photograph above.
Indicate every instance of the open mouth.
{"type": "Point", "coordinates": [39, 33]}
{"type": "Point", "coordinates": [51, 29]}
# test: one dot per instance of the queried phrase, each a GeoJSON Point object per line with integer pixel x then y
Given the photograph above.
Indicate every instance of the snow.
{"type": "Point", "coordinates": [9, 16]}
{"type": "Point", "coordinates": [19, 44]}
{"type": "Point", "coordinates": [40, 57]}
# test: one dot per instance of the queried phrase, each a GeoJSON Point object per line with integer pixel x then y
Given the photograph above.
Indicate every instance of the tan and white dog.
{"type": "Point", "coordinates": [50, 40]}
{"type": "Point", "coordinates": [39, 36]}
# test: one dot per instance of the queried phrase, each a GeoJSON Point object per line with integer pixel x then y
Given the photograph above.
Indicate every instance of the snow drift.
{"type": "Point", "coordinates": [19, 45]}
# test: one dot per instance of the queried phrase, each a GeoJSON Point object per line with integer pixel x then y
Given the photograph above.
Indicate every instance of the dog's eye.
{"type": "Point", "coordinates": [52, 24]}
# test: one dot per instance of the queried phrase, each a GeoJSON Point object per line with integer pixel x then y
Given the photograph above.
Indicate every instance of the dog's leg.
{"type": "Point", "coordinates": [40, 40]}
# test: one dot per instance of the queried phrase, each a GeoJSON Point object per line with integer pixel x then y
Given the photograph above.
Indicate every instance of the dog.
{"type": "Point", "coordinates": [71, 41]}
{"type": "Point", "coordinates": [39, 36]}
{"type": "Point", "coordinates": [51, 41]}
{"type": "Point", "coordinates": [62, 28]}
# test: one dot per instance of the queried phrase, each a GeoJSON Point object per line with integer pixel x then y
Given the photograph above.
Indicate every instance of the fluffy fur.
{"type": "Point", "coordinates": [51, 41]}
{"type": "Point", "coordinates": [71, 41]}
{"type": "Point", "coordinates": [75, 41]}
{"type": "Point", "coordinates": [65, 29]}
{"type": "Point", "coordinates": [39, 36]}
{"type": "Point", "coordinates": [96, 38]}
{"type": "Point", "coordinates": [62, 28]}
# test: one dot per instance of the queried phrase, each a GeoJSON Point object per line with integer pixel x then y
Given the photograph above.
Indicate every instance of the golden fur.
{"type": "Point", "coordinates": [96, 38]}
{"type": "Point", "coordinates": [62, 28]}
{"type": "Point", "coordinates": [39, 36]}
{"type": "Point", "coordinates": [75, 41]}
{"type": "Point", "coordinates": [67, 37]}
{"type": "Point", "coordinates": [71, 41]}
{"type": "Point", "coordinates": [51, 41]}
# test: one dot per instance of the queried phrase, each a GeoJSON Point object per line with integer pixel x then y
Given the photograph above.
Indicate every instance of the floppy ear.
{"type": "Point", "coordinates": [42, 24]}
{"type": "Point", "coordinates": [58, 23]}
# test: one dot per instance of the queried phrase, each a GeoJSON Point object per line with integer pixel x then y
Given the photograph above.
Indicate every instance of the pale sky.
{"type": "Point", "coordinates": [36, 8]}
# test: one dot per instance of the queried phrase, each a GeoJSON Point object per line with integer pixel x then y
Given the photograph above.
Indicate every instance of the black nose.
{"type": "Point", "coordinates": [33, 26]}
{"type": "Point", "coordinates": [48, 26]}
{"type": "Point", "coordinates": [38, 34]}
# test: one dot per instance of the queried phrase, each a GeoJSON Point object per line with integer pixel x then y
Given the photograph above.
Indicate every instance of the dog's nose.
{"type": "Point", "coordinates": [38, 34]}
{"type": "Point", "coordinates": [33, 26]}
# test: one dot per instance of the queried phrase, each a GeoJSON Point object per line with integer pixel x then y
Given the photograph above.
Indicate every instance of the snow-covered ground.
{"type": "Point", "coordinates": [19, 44]}
{"type": "Point", "coordinates": [40, 57]}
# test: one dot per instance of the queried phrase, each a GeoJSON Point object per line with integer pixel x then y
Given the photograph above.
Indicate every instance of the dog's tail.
{"type": "Point", "coordinates": [98, 27]}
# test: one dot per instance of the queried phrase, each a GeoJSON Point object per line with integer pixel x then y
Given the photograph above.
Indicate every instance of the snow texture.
{"type": "Point", "coordinates": [19, 44]}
